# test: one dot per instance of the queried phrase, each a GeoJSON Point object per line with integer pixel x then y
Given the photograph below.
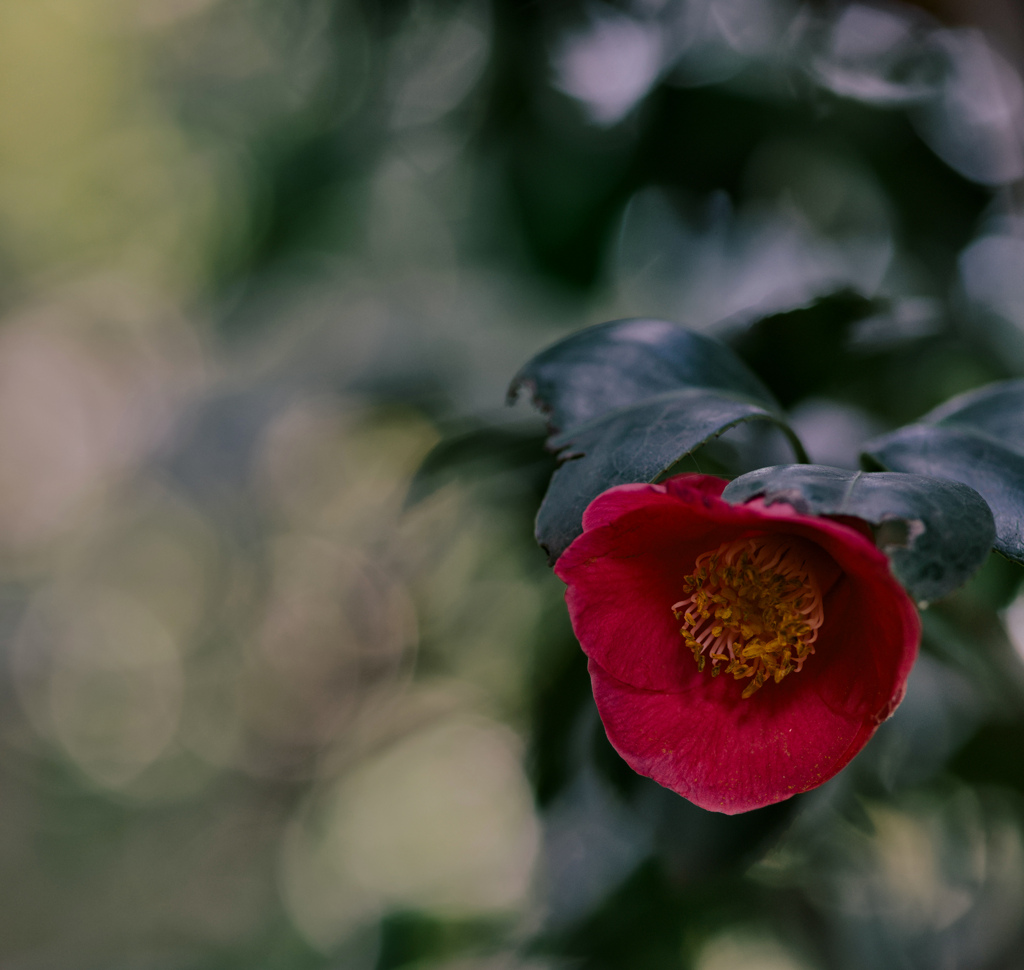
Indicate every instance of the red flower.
{"type": "Point", "coordinates": [739, 654]}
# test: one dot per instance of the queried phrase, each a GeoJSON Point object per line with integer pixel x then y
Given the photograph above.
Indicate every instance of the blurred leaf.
{"type": "Point", "coordinates": [789, 349]}
{"type": "Point", "coordinates": [559, 697]}
{"type": "Point", "coordinates": [641, 925]}
{"type": "Point", "coordinates": [408, 936]}
{"type": "Point", "coordinates": [479, 452]}
{"type": "Point", "coordinates": [936, 533]}
{"type": "Point", "coordinates": [975, 643]}
{"type": "Point", "coordinates": [626, 400]}
{"type": "Point", "coordinates": [992, 756]}
{"type": "Point", "coordinates": [976, 438]}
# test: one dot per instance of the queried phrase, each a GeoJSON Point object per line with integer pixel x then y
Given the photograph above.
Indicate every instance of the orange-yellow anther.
{"type": "Point", "coordinates": [753, 608]}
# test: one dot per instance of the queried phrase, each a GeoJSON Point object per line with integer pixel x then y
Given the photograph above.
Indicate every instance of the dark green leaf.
{"type": "Point", "coordinates": [479, 452]}
{"type": "Point", "coordinates": [996, 410]}
{"type": "Point", "coordinates": [633, 444]}
{"type": "Point", "coordinates": [624, 362]}
{"type": "Point", "coordinates": [978, 439]}
{"type": "Point", "coordinates": [936, 533]}
{"type": "Point", "coordinates": [787, 349]}
{"type": "Point", "coordinates": [626, 400]}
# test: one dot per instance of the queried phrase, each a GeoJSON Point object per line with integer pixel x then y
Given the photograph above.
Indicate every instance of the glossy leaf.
{"type": "Point", "coordinates": [978, 439]}
{"type": "Point", "coordinates": [937, 533]}
{"type": "Point", "coordinates": [625, 362]}
{"type": "Point", "coordinates": [634, 444]}
{"type": "Point", "coordinates": [626, 400]}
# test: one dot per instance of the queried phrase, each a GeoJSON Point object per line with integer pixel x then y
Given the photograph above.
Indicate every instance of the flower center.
{"type": "Point", "coordinates": [753, 607]}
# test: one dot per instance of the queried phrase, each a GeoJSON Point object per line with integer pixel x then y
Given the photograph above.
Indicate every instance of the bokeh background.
{"type": "Point", "coordinates": [276, 694]}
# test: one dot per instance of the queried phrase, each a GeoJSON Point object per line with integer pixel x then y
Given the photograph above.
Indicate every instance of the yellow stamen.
{"type": "Point", "coordinates": [753, 606]}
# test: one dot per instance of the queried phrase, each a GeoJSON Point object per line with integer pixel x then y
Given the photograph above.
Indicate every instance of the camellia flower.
{"type": "Point", "coordinates": [739, 654]}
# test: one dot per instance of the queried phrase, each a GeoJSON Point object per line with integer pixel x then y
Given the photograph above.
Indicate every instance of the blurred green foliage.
{"type": "Point", "coordinates": [257, 258]}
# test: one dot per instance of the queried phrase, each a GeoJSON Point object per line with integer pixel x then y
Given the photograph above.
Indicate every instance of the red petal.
{"type": "Point", "coordinates": [624, 574]}
{"type": "Point", "coordinates": [727, 757]}
{"type": "Point", "coordinates": [676, 724]}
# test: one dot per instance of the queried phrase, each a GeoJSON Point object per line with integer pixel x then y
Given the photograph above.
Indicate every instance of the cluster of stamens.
{"type": "Point", "coordinates": [753, 608]}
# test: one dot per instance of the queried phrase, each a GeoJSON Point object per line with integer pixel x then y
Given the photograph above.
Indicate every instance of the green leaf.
{"type": "Point", "coordinates": [633, 444]}
{"type": "Point", "coordinates": [481, 451]}
{"type": "Point", "coordinates": [787, 349]}
{"type": "Point", "coordinates": [936, 533]}
{"type": "Point", "coordinates": [625, 362]}
{"type": "Point", "coordinates": [976, 438]}
{"type": "Point", "coordinates": [625, 401]}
